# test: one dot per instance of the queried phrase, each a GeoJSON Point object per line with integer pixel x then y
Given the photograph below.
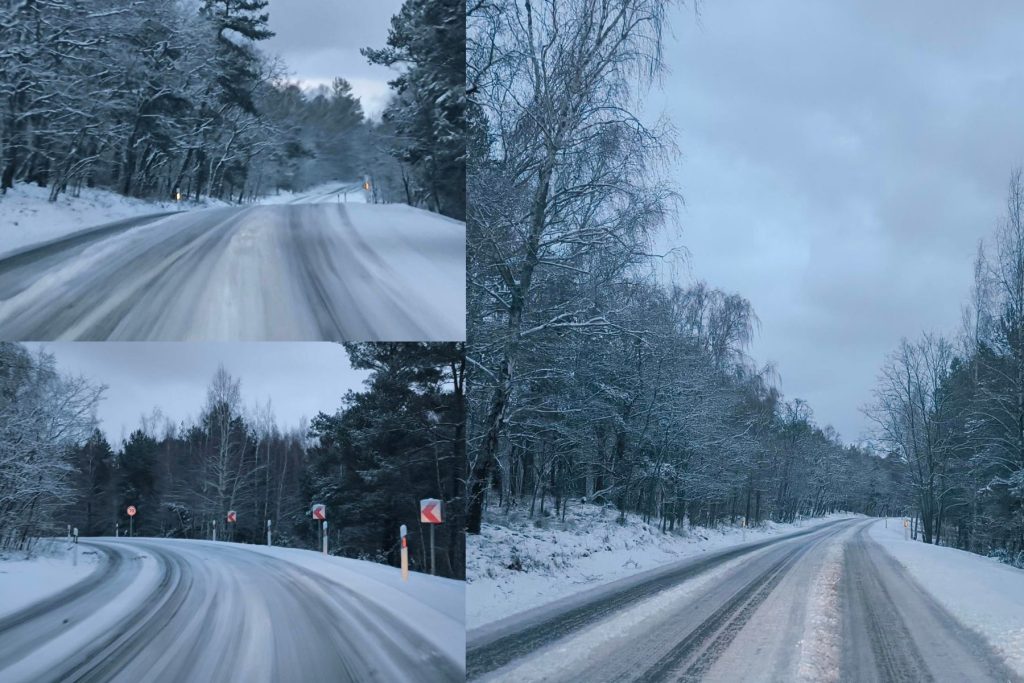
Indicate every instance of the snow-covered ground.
{"type": "Point", "coordinates": [203, 610]}
{"type": "Point", "coordinates": [984, 594]}
{"type": "Point", "coordinates": [27, 217]}
{"type": "Point", "coordinates": [434, 601]}
{"type": "Point", "coordinates": [50, 569]}
{"type": "Point", "coordinates": [515, 565]}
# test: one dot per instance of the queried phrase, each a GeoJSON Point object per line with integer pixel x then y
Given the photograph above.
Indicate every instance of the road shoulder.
{"type": "Point", "coordinates": [984, 595]}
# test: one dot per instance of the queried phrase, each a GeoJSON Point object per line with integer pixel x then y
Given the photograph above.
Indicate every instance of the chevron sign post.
{"type": "Point", "coordinates": [430, 513]}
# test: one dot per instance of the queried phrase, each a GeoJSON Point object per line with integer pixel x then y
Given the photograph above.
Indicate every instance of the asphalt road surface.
{"type": "Point", "coordinates": [318, 270]}
{"type": "Point", "coordinates": [210, 612]}
{"type": "Point", "coordinates": [753, 613]}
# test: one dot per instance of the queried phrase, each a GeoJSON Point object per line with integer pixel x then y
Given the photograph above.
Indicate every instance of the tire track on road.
{"type": "Point", "coordinates": [499, 646]}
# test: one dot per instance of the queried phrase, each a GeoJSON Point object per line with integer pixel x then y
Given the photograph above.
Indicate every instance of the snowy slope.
{"type": "Point", "coordinates": [516, 566]}
{"type": "Point", "coordinates": [27, 217]}
{"type": "Point", "coordinates": [985, 595]}
{"type": "Point", "coordinates": [25, 580]}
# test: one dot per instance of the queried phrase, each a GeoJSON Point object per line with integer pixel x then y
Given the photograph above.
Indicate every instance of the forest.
{"type": "Point", "coordinates": [593, 380]}
{"type": "Point", "coordinates": [169, 99]}
{"type": "Point", "coordinates": [951, 410]}
{"type": "Point", "coordinates": [399, 439]}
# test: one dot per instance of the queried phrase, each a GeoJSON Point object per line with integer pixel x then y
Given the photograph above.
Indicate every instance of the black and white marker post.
{"type": "Point", "coordinates": [268, 534]}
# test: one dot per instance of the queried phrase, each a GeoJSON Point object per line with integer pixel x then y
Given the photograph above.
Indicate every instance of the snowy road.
{"type": "Point", "coordinates": [828, 604]}
{"type": "Point", "coordinates": [190, 611]}
{"type": "Point", "coordinates": [308, 271]}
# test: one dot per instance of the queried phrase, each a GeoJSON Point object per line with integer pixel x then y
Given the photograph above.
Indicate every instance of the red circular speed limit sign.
{"type": "Point", "coordinates": [131, 510]}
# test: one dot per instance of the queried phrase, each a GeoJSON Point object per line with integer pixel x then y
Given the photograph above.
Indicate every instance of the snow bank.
{"type": "Point", "coordinates": [434, 607]}
{"type": "Point", "coordinates": [27, 217]}
{"type": "Point", "coordinates": [984, 594]}
{"type": "Point", "coordinates": [515, 565]}
{"type": "Point", "coordinates": [819, 658]}
{"type": "Point", "coordinates": [50, 569]}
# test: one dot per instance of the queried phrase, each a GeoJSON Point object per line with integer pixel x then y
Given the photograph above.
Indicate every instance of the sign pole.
{"type": "Point", "coordinates": [432, 572]}
{"type": "Point", "coordinates": [131, 527]}
{"type": "Point", "coordinates": [405, 553]}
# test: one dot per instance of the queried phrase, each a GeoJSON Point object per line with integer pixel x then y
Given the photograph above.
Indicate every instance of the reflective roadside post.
{"type": "Point", "coordinates": [405, 554]}
{"type": "Point", "coordinates": [268, 533]}
{"type": "Point", "coordinates": [325, 535]}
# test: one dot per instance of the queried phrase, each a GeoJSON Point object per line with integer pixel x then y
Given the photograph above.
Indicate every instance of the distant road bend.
{"type": "Point", "coordinates": [316, 269]}
{"type": "Point", "coordinates": [741, 614]}
{"type": "Point", "coordinates": [161, 611]}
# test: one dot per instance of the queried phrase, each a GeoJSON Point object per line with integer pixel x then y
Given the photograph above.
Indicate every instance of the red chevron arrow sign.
{"type": "Point", "coordinates": [430, 511]}
{"type": "Point", "coordinates": [232, 516]}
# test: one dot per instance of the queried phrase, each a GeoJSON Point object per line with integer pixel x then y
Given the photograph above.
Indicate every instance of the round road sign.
{"type": "Point", "coordinates": [131, 510]}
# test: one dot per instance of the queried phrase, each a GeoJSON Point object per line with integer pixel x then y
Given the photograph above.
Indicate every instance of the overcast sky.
{"type": "Point", "coordinates": [840, 162]}
{"type": "Point", "coordinates": [320, 40]}
{"type": "Point", "coordinates": [301, 379]}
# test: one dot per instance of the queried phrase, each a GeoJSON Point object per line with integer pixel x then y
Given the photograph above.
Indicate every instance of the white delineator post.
{"type": "Point", "coordinates": [69, 532]}
{"type": "Point", "coordinates": [117, 529]}
{"type": "Point", "coordinates": [906, 529]}
{"type": "Point", "coordinates": [215, 530]}
{"type": "Point", "coordinates": [268, 532]}
{"type": "Point", "coordinates": [405, 554]}
{"type": "Point", "coordinates": [325, 536]}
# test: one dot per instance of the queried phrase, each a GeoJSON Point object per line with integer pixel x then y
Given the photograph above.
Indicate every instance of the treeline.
{"type": "Point", "coordinates": [153, 99]}
{"type": "Point", "coordinates": [951, 412]}
{"type": "Point", "coordinates": [399, 440]}
{"type": "Point", "coordinates": [591, 379]}
{"type": "Point", "coordinates": [426, 118]}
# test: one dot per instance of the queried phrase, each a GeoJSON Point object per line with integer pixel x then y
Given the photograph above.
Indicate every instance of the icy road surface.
{"type": "Point", "coordinates": [164, 610]}
{"type": "Point", "coordinates": [327, 271]}
{"type": "Point", "coordinates": [827, 604]}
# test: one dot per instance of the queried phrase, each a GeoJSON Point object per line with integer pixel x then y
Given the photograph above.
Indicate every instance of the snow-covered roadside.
{"type": "Point", "coordinates": [27, 216]}
{"type": "Point", "coordinates": [50, 569]}
{"type": "Point", "coordinates": [435, 607]}
{"type": "Point", "coordinates": [517, 566]}
{"type": "Point", "coordinates": [984, 594]}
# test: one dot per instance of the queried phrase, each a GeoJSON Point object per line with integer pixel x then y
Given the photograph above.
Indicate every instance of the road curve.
{"type": "Point", "coordinates": [748, 614]}
{"type": "Point", "coordinates": [304, 272]}
{"type": "Point", "coordinates": [190, 611]}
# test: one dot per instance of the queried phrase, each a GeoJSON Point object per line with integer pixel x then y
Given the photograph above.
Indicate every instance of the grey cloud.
{"type": "Point", "coordinates": [300, 379]}
{"type": "Point", "coordinates": [840, 163]}
{"type": "Point", "coordinates": [320, 40]}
